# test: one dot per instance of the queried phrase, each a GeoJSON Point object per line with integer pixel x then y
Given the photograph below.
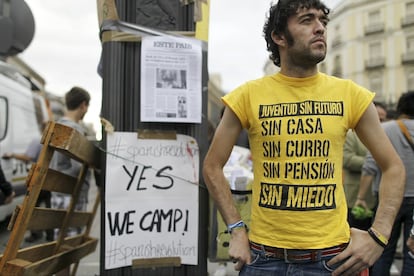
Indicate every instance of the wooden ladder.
{"type": "Point", "coordinates": [51, 257]}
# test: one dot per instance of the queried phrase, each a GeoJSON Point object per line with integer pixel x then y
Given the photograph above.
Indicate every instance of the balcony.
{"type": "Point", "coordinates": [407, 21]}
{"type": "Point", "coordinates": [375, 63]}
{"type": "Point", "coordinates": [408, 58]}
{"type": "Point", "coordinates": [336, 41]}
{"type": "Point", "coordinates": [374, 28]}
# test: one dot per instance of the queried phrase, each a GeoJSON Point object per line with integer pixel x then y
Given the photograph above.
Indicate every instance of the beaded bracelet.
{"type": "Point", "coordinates": [378, 237]}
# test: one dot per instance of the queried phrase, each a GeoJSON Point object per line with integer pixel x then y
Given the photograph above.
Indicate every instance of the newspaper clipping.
{"type": "Point", "coordinates": [171, 72]}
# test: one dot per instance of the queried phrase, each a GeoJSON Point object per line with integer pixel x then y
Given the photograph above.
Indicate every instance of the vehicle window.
{"type": "Point", "coordinates": [3, 117]}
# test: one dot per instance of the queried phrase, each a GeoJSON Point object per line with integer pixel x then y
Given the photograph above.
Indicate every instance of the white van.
{"type": "Point", "coordinates": [20, 123]}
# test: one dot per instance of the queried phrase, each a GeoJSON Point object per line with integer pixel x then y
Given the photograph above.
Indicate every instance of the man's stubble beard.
{"type": "Point", "coordinates": [304, 56]}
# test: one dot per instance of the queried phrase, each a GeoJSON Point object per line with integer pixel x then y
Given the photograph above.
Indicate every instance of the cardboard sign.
{"type": "Point", "coordinates": [151, 199]}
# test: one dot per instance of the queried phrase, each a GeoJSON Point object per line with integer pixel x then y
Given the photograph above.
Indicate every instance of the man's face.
{"type": "Point", "coordinates": [306, 37]}
{"type": "Point", "coordinates": [382, 114]}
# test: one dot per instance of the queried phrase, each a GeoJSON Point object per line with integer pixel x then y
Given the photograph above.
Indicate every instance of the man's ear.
{"type": "Point", "coordinates": [84, 104]}
{"type": "Point", "coordinates": [278, 39]}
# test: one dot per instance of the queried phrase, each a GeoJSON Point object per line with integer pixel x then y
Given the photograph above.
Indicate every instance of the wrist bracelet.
{"type": "Point", "coordinates": [378, 237]}
{"type": "Point", "coordinates": [235, 225]}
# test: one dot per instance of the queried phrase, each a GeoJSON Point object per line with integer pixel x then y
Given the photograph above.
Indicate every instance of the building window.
{"type": "Point", "coordinates": [337, 61]}
{"type": "Point", "coordinates": [408, 56]}
{"type": "Point", "coordinates": [375, 85]}
{"type": "Point", "coordinates": [337, 67]}
{"type": "Point", "coordinates": [410, 80]}
{"type": "Point", "coordinates": [410, 44]}
{"type": "Point", "coordinates": [375, 50]}
{"type": "Point", "coordinates": [375, 57]}
{"type": "Point", "coordinates": [409, 8]}
{"type": "Point", "coordinates": [375, 24]}
{"type": "Point", "coordinates": [408, 20]}
{"type": "Point", "coordinates": [374, 17]}
{"type": "Point", "coordinates": [337, 37]}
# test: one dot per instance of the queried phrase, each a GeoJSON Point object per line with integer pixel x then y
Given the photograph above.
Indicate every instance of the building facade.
{"type": "Point", "coordinates": [372, 43]}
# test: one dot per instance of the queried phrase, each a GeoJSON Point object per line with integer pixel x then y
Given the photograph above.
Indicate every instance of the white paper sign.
{"type": "Point", "coordinates": [171, 76]}
{"type": "Point", "coordinates": [151, 199]}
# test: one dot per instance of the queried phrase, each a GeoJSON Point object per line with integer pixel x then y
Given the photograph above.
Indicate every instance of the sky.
{"type": "Point", "coordinates": [66, 48]}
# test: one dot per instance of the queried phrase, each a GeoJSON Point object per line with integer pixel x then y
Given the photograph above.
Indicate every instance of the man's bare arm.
{"type": "Point", "coordinates": [363, 250]}
{"type": "Point", "coordinates": [364, 184]}
{"type": "Point", "coordinates": [393, 173]}
{"type": "Point", "coordinates": [221, 147]}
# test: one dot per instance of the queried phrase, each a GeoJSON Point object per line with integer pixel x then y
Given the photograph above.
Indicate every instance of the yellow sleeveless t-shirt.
{"type": "Point", "coordinates": [297, 128]}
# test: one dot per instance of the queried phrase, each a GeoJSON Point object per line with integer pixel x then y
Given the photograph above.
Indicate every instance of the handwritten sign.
{"type": "Point", "coordinates": [151, 199]}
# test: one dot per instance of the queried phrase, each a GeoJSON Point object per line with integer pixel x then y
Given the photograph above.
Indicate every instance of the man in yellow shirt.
{"type": "Point", "coordinates": [297, 121]}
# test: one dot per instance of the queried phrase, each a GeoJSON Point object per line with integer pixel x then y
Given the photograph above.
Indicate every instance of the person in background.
{"type": "Point", "coordinates": [354, 155]}
{"type": "Point", "coordinates": [405, 110]}
{"type": "Point", "coordinates": [77, 104]}
{"type": "Point", "coordinates": [297, 121]}
{"type": "Point", "coordinates": [32, 155]}
{"type": "Point", "coordinates": [6, 188]}
{"type": "Point", "coordinates": [392, 114]}
{"type": "Point", "coordinates": [382, 111]}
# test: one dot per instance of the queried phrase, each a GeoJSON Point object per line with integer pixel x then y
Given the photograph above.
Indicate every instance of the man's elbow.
{"type": "Point", "coordinates": [208, 169]}
{"type": "Point", "coordinates": [211, 170]}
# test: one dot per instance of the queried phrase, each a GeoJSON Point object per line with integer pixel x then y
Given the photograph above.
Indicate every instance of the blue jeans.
{"type": "Point", "coordinates": [404, 219]}
{"type": "Point", "coordinates": [267, 266]}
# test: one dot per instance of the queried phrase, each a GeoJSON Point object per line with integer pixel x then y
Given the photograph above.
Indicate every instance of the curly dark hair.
{"type": "Point", "coordinates": [277, 21]}
{"type": "Point", "coordinates": [406, 104]}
